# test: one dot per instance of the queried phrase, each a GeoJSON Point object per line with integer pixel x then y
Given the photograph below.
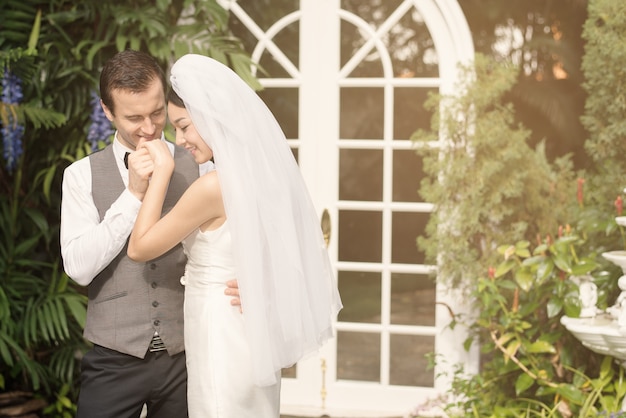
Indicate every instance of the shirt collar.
{"type": "Point", "coordinates": [118, 149]}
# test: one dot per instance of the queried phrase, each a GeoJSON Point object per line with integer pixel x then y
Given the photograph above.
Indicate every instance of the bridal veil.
{"type": "Point", "coordinates": [288, 290]}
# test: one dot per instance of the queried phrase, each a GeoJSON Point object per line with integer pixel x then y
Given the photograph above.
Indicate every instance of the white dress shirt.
{"type": "Point", "coordinates": [88, 245]}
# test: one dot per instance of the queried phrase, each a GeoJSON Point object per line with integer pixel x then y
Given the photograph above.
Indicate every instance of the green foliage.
{"type": "Point", "coordinates": [41, 313]}
{"type": "Point", "coordinates": [489, 188]}
{"type": "Point", "coordinates": [63, 407]}
{"type": "Point", "coordinates": [603, 65]}
{"type": "Point", "coordinates": [487, 184]}
{"type": "Point", "coordinates": [57, 48]}
{"type": "Point", "coordinates": [534, 366]}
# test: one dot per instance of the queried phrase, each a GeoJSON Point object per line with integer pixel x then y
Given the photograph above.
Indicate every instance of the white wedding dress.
{"type": "Point", "coordinates": [219, 367]}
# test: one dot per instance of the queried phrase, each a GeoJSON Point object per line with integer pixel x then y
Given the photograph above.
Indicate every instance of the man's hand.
{"type": "Point", "coordinates": [232, 289]}
{"type": "Point", "coordinates": [140, 169]}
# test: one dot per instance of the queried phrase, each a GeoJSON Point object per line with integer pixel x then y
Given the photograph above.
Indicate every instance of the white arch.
{"type": "Point", "coordinates": [450, 32]}
{"type": "Point", "coordinates": [453, 42]}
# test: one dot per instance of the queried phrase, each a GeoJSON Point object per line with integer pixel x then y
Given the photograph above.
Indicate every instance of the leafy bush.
{"type": "Point", "coordinates": [51, 53]}
{"type": "Point", "coordinates": [490, 188]}
{"type": "Point", "coordinates": [533, 364]}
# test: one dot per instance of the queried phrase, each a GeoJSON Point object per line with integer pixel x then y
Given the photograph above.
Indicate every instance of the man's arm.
{"type": "Point", "coordinates": [88, 245]}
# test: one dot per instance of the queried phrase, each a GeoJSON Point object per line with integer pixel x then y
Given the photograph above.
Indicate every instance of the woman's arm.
{"type": "Point", "coordinates": [152, 235]}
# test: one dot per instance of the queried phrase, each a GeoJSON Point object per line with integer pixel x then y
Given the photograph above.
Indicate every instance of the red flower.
{"type": "Point", "coordinates": [619, 205]}
{"type": "Point", "coordinates": [492, 272]}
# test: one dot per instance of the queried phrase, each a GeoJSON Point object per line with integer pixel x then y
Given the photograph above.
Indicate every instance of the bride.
{"type": "Point", "coordinates": [250, 219]}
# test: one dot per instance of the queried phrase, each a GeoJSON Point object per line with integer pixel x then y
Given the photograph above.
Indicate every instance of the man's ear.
{"type": "Point", "coordinates": [106, 110]}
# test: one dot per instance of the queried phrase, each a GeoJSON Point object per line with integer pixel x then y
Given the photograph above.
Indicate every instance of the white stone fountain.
{"type": "Point", "coordinates": [603, 332]}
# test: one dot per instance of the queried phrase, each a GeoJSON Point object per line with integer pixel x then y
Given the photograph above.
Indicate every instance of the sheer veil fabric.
{"type": "Point", "coordinates": [288, 290]}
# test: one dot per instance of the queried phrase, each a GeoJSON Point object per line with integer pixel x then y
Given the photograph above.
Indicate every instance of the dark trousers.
{"type": "Point", "coordinates": [116, 385]}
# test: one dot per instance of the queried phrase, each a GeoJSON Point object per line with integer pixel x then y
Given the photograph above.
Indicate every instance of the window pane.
{"type": "Point", "coordinates": [361, 113]}
{"type": "Point", "coordinates": [407, 174]}
{"type": "Point", "coordinates": [360, 293]}
{"type": "Point", "coordinates": [408, 41]}
{"type": "Point", "coordinates": [409, 364]}
{"type": "Point", "coordinates": [413, 299]}
{"type": "Point", "coordinates": [412, 48]}
{"type": "Point", "coordinates": [406, 227]}
{"type": "Point", "coordinates": [358, 356]}
{"type": "Point", "coordinates": [360, 236]}
{"type": "Point", "coordinates": [287, 39]}
{"type": "Point", "coordinates": [283, 102]}
{"type": "Point", "coordinates": [361, 175]}
{"type": "Point", "coordinates": [409, 114]}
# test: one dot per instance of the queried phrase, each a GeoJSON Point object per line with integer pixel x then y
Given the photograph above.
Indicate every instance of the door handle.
{"type": "Point", "coordinates": [326, 229]}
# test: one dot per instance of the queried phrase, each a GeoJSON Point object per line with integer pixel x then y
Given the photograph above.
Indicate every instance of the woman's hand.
{"type": "Point", "coordinates": [161, 156]}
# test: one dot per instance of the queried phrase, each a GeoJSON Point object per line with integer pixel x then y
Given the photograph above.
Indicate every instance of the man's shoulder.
{"type": "Point", "coordinates": [100, 153]}
{"type": "Point", "coordinates": [79, 164]}
{"type": "Point", "coordinates": [85, 159]}
{"type": "Point", "coordinates": [82, 166]}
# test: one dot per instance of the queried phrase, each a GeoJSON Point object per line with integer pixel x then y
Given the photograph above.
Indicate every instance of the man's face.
{"type": "Point", "coordinates": [138, 115]}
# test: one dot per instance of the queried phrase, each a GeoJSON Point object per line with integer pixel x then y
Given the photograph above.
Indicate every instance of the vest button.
{"type": "Point", "coordinates": [155, 303]}
{"type": "Point", "coordinates": [153, 266]}
{"type": "Point", "coordinates": [153, 285]}
{"type": "Point", "coordinates": [156, 322]}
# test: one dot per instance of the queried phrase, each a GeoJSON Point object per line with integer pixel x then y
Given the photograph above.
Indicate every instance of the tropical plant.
{"type": "Point", "coordinates": [41, 314]}
{"type": "Point", "coordinates": [51, 53]}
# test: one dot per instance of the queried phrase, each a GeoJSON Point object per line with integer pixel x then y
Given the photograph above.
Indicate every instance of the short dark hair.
{"type": "Point", "coordinates": [174, 98]}
{"type": "Point", "coordinates": [131, 71]}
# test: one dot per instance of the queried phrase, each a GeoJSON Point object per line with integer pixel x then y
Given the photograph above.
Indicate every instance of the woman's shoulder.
{"type": "Point", "coordinates": [208, 183]}
{"type": "Point", "coordinates": [204, 195]}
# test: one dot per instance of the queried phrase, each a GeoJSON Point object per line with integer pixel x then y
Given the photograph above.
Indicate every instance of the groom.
{"type": "Point", "coordinates": [135, 310]}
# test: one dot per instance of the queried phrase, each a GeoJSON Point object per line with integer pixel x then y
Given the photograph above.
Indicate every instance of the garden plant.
{"type": "Point", "coordinates": [513, 228]}
{"type": "Point", "coordinates": [51, 53]}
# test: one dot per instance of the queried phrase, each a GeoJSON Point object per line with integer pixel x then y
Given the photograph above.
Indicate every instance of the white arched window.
{"type": "Point", "coordinates": [347, 80]}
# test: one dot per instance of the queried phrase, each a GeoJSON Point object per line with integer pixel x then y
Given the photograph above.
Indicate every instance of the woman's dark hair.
{"type": "Point", "coordinates": [174, 98]}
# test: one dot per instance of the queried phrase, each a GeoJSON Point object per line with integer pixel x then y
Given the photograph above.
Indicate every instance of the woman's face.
{"type": "Point", "coordinates": [186, 134]}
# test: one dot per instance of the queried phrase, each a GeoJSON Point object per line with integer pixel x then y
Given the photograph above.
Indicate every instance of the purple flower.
{"type": "Point", "coordinates": [12, 131]}
{"type": "Point", "coordinates": [100, 128]}
{"type": "Point", "coordinates": [11, 88]}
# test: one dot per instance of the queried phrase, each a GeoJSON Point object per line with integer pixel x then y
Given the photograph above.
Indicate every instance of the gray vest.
{"type": "Point", "coordinates": [129, 301]}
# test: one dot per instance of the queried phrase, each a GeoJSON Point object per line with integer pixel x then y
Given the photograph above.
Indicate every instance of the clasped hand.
{"type": "Point", "coordinates": [150, 157]}
{"type": "Point", "coordinates": [160, 154]}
